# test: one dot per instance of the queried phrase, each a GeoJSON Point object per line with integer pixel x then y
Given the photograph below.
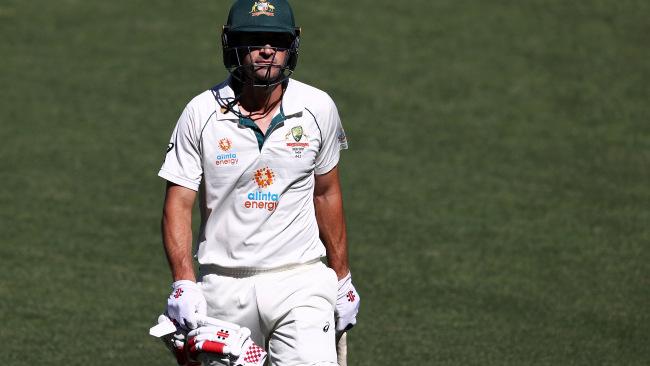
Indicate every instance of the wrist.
{"type": "Point", "coordinates": [345, 279]}
{"type": "Point", "coordinates": [184, 274]}
{"type": "Point", "coordinates": [341, 272]}
{"type": "Point", "coordinates": [179, 283]}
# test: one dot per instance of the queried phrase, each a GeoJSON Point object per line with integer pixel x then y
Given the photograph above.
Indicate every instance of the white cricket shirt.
{"type": "Point", "coordinates": [256, 191]}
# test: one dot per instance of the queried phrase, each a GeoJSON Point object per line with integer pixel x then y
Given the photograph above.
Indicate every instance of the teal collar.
{"type": "Point", "coordinates": [261, 137]}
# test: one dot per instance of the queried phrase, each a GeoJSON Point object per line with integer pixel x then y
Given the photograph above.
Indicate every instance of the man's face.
{"type": "Point", "coordinates": [264, 53]}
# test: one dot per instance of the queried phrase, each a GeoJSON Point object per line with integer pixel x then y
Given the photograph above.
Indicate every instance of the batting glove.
{"type": "Point", "coordinates": [347, 304]}
{"type": "Point", "coordinates": [175, 342]}
{"type": "Point", "coordinates": [225, 343]}
{"type": "Point", "coordinates": [186, 304]}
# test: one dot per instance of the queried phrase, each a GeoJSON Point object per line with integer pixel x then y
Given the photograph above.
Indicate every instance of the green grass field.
{"type": "Point", "coordinates": [497, 187]}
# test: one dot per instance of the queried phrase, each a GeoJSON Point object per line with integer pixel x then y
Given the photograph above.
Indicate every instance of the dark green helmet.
{"type": "Point", "coordinates": [249, 17]}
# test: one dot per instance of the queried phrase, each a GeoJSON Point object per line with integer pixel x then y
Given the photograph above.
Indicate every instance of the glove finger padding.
{"type": "Point", "coordinates": [221, 343]}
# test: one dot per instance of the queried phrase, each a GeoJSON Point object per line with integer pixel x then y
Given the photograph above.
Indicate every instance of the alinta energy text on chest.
{"type": "Point", "coordinates": [262, 200]}
{"type": "Point", "coordinates": [227, 159]}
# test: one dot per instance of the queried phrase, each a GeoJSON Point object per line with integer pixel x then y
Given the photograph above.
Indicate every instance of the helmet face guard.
{"type": "Point", "coordinates": [237, 45]}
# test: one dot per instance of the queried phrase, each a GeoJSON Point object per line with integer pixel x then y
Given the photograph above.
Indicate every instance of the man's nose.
{"type": "Point", "coordinates": [267, 49]}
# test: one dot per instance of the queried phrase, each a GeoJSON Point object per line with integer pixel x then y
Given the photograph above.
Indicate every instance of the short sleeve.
{"type": "Point", "coordinates": [182, 164]}
{"type": "Point", "coordinates": [333, 139]}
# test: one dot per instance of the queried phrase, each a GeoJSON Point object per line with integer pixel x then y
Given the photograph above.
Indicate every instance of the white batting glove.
{"type": "Point", "coordinates": [225, 343]}
{"type": "Point", "coordinates": [186, 304]}
{"type": "Point", "coordinates": [347, 304]}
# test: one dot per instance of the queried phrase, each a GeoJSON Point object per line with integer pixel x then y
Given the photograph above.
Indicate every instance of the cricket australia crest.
{"type": "Point", "coordinates": [262, 7]}
{"type": "Point", "coordinates": [296, 132]}
{"type": "Point", "coordinates": [297, 140]}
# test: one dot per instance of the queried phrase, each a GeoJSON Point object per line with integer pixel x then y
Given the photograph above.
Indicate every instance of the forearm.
{"type": "Point", "coordinates": [176, 230]}
{"type": "Point", "coordinates": [177, 239]}
{"type": "Point", "coordinates": [332, 230]}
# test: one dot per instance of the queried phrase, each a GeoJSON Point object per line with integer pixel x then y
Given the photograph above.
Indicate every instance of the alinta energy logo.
{"type": "Point", "coordinates": [297, 140]}
{"type": "Point", "coordinates": [262, 199]}
{"type": "Point", "coordinates": [226, 157]}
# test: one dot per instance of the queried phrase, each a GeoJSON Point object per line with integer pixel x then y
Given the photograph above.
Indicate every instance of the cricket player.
{"type": "Point", "coordinates": [262, 152]}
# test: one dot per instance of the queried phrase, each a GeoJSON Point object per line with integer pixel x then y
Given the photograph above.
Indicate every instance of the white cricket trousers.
{"type": "Point", "coordinates": [290, 312]}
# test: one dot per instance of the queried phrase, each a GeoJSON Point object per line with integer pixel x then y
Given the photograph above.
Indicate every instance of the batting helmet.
{"type": "Point", "coordinates": [273, 18]}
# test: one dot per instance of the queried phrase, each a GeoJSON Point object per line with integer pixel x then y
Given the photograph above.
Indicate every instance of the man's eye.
{"type": "Point", "coordinates": [279, 42]}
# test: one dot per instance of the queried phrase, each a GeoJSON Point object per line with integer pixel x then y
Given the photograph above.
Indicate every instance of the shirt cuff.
{"type": "Point", "coordinates": [178, 180]}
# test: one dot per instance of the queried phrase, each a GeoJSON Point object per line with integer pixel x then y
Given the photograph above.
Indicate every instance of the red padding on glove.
{"type": "Point", "coordinates": [214, 347]}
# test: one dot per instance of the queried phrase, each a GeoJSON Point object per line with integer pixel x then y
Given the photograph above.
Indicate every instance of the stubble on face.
{"type": "Point", "coordinates": [265, 64]}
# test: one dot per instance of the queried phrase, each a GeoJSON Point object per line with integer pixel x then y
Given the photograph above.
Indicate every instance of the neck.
{"type": "Point", "coordinates": [259, 101]}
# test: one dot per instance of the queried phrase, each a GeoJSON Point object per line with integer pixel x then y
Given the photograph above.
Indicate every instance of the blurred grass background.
{"type": "Point", "coordinates": [497, 185]}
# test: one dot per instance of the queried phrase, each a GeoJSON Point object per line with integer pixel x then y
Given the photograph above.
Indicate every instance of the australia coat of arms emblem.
{"type": "Point", "coordinates": [262, 7]}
